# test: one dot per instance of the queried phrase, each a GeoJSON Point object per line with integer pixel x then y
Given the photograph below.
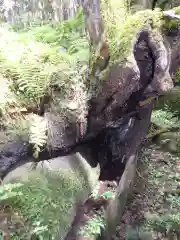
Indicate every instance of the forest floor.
{"type": "Point", "coordinates": [153, 210]}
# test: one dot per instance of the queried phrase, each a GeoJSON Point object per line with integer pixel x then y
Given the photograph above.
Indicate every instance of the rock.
{"type": "Point", "coordinates": [74, 162]}
{"type": "Point", "coordinates": [74, 166]}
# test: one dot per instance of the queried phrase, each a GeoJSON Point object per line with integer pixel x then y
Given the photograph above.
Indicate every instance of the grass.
{"type": "Point", "coordinates": [44, 204]}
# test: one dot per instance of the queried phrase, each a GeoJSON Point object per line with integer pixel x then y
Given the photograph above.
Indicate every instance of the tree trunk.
{"type": "Point", "coordinates": [116, 110]}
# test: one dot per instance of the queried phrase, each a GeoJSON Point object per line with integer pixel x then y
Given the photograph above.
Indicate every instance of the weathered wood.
{"type": "Point", "coordinates": [93, 20]}
{"type": "Point", "coordinates": [116, 206]}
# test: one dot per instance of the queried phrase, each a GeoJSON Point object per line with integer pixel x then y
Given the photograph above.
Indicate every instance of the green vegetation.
{"type": "Point", "coordinates": [36, 59]}
{"type": "Point", "coordinates": [167, 116]}
{"type": "Point", "coordinates": [43, 205]}
{"type": "Point", "coordinates": [165, 178]}
{"type": "Point", "coordinates": [53, 61]}
{"type": "Point", "coordinates": [47, 61]}
{"type": "Point", "coordinates": [93, 227]}
{"type": "Point", "coordinates": [157, 193]}
{"type": "Point", "coordinates": [120, 36]}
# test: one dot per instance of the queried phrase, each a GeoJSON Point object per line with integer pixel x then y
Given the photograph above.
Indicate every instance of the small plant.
{"type": "Point", "coordinates": [177, 76]}
{"type": "Point", "coordinates": [138, 234]}
{"type": "Point", "coordinates": [166, 224]}
{"type": "Point", "coordinates": [43, 203]}
{"type": "Point", "coordinates": [93, 227]}
{"type": "Point", "coordinates": [164, 119]}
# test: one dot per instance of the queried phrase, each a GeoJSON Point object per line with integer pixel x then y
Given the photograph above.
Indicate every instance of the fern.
{"type": "Point", "coordinates": [34, 67]}
{"type": "Point", "coordinates": [32, 128]}
{"type": "Point", "coordinates": [77, 45]}
{"type": "Point", "coordinates": [37, 134]}
{"type": "Point", "coordinates": [164, 119]}
{"type": "Point", "coordinates": [8, 191]}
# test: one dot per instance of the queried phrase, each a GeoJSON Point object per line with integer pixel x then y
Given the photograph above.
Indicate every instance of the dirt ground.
{"type": "Point", "coordinates": [158, 178]}
{"type": "Point", "coordinates": [156, 191]}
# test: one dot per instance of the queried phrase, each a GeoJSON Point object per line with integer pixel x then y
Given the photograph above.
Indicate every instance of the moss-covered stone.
{"type": "Point", "coordinates": [45, 203]}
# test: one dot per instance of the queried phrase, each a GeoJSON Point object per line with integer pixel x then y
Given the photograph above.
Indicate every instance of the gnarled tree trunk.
{"type": "Point", "coordinates": [117, 107]}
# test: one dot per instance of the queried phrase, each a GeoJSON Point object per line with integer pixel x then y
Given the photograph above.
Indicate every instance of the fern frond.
{"type": "Point", "coordinates": [164, 119]}
{"type": "Point", "coordinates": [37, 134]}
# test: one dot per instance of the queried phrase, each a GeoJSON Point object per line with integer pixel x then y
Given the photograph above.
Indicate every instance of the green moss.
{"type": "Point", "coordinates": [121, 36]}
{"type": "Point", "coordinates": [177, 10]}
{"type": "Point", "coordinates": [173, 24]}
{"type": "Point", "coordinates": [121, 45]}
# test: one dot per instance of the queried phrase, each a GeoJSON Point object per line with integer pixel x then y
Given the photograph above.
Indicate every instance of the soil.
{"type": "Point", "coordinates": [158, 174]}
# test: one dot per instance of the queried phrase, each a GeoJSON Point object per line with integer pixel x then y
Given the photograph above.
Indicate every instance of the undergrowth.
{"type": "Point", "coordinates": [163, 219]}
{"type": "Point", "coordinates": [166, 117]}
{"type": "Point", "coordinates": [44, 56]}
{"type": "Point", "coordinates": [44, 211]}
{"type": "Point", "coordinates": [158, 217]}
{"type": "Point", "coordinates": [44, 61]}
{"type": "Point", "coordinates": [166, 178]}
{"type": "Point", "coordinates": [94, 226]}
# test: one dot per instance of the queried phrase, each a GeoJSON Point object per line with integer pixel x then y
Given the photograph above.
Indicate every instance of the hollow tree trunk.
{"type": "Point", "coordinates": [134, 78]}
{"type": "Point", "coordinates": [127, 147]}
